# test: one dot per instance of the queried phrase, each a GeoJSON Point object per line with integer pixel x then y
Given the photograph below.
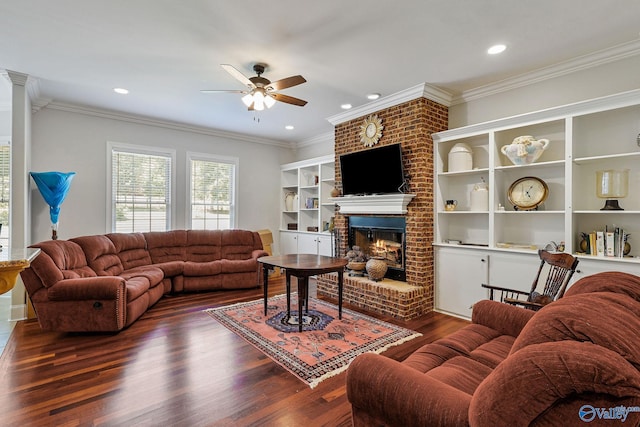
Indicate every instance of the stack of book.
{"type": "Point", "coordinates": [606, 243]}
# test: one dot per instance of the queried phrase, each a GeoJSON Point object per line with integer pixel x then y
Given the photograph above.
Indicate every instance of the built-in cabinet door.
{"type": "Point", "coordinates": [513, 270]}
{"type": "Point", "coordinates": [325, 245]}
{"type": "Point", "coordinates": [307, 243]}
{"type": "Point", "coordinates": [459, 278]}
{"type": "Point", "coordinates": [288, 243]}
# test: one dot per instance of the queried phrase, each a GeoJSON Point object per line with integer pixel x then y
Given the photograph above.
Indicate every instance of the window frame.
{"type": "Point", "coordinates": [233, 211]}
{"type": "Point", "coordinates": [144, 150]}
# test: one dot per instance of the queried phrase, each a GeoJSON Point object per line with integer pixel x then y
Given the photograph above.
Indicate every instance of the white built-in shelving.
{"type": "Point", "coordinates": [584, 137]}
{"type": "Point", "coordinates": [305, 227]}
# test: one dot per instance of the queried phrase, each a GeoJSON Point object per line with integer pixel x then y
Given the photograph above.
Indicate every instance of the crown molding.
{"type": "Point", "coordinates": [143, 120]}
{"type": "Point", "coordinates": [601, 57]}
{"type": "Point", "coordinates": [609, 102]}
{"type": "Point", "coordinates": [327, 137]}
{"type": "Point", "coordinates": [423, 90]}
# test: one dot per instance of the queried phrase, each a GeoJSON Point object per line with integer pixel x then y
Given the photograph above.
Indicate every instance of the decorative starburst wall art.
{"type": "Point", "coordinates": [371, 130]}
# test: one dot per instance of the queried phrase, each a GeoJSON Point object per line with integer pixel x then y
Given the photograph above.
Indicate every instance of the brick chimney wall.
{"type": "Point", "coordinates": [410, 124]}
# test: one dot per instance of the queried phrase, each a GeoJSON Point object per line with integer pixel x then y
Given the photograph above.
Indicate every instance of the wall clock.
{"type": "Point", "coordinates": [527, 193]}
{"type": "Point", "coordinates": [371, 130]}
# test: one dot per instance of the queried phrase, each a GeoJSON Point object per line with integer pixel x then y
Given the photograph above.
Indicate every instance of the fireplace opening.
{"type": "Point", "coordinates": [382, 237]}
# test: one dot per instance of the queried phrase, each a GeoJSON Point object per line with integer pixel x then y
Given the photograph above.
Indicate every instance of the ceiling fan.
{"type": "Point", "coordinates": [260, 91]}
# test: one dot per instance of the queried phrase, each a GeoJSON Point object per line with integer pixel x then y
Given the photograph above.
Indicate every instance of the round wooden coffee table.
{"type": "Point", "coordinates": [302, 266]}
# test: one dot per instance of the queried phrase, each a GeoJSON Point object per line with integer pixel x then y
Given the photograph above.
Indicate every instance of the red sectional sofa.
{"type": "Point", "coordinates": [106, 282]}
{"type": "Point", "coordinates": [574, 362]}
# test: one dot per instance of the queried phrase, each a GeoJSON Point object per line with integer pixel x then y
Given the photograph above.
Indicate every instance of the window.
{"type": "Point", "coordinates": [141, 190]}
{"type": "Point", "coordinates": [5, 191]}
{"type": "Point", "coordinates": [212, 186]}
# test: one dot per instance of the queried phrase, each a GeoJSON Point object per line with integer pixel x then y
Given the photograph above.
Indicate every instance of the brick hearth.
{"type": "Point", "coordinates": [410, 124]}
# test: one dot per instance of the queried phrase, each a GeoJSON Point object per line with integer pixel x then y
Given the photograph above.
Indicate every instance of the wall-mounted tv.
{"type": "Point", "coordinates": [372, 171]}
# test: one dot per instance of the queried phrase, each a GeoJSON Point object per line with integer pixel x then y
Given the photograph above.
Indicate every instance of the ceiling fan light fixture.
{"type": "Point", "coordinates": [260, 91]}
{"type": "Point", "coordinates": [247, 99]}
{"type": "Point", "coordinates": [269, 101]}
{"type": "Point", "coordinates": [258, 100]}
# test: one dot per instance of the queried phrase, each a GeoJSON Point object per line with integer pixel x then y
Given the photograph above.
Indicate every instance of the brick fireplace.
{"type": "Point", "coordinates": [410, 124]}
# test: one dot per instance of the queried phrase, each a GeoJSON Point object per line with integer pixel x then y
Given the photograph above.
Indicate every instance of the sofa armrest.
{"type": "Point", "coordinates": [257, 253]}
{"type": "Point", "coordinates": [88, 288]}
{"type": "Point", "coordinates": [549, 384]}
{"type": "Point", "coordinates": [396, 394]}
{"type": "Point", "coordinates": [504, 318]}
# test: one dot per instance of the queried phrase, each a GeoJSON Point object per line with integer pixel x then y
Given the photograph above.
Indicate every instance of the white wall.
{"type": "Point", "coordinates": [75, 142]}
{"type": "Point", "coordinates": [319, 147]}
{"type": "Point", "coordinates": [595, 82]}
{"type": "Point", "coordinates": [5, 123]}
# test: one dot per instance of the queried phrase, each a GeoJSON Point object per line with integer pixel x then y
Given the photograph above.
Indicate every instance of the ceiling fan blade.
{"type": "Point", "coordinates": [222, 91]}
{"type": "Point", "coordinates": [288, 82]}
{"type": "Point", "coordinates": [237, 75]}
{"type": "Point", "coordinates": [288, 99]}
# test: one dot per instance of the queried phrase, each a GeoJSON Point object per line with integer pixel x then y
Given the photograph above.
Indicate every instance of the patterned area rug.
{"type": "Point", "coordinates": [326, 345]}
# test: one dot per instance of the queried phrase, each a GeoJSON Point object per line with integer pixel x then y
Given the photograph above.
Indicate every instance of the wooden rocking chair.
{"type": "Point", "coordinates": [561, 267]}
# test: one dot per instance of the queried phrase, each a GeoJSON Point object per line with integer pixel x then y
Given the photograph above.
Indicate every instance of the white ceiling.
{"type": "Point", "coordinates": [165, 51]}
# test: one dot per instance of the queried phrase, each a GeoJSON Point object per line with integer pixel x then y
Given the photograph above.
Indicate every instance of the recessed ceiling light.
{"type": "Point", "coordinates": [289, 127]}
{"type": "Point", "coordinates": [373, 96]}
{"type": "Point", "coordinates": [346, 106]}
{"type": "Point", "coordinates": [496, 49]}
{"type": "Point", "coordinates": [121, 91]}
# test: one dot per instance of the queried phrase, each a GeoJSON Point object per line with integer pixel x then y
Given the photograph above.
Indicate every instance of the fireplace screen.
{"type": "Point", "coordinates": [382, 237]}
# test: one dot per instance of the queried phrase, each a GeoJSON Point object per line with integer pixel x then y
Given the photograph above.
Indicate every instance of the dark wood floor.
{"type": "Point", "coordinates": [174, 366]}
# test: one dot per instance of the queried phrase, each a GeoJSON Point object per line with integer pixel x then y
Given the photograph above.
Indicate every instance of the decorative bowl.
{"type": "Point", "coordinates": [356, 265]}
{"type": "Point", "coordinates": [524, 149]}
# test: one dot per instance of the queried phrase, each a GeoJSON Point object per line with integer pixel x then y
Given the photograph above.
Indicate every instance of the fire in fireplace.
{"type": "Point", "coordinates": [382, 237]}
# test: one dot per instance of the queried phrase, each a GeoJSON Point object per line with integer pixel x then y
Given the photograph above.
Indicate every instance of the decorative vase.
{"type": "Point", "coordinates": [480, 197]}
{"type": "Point", "coordinates": [289, 200]}
{"type": "Point", "coordinates": [335, 192]}
{"type": "Point", "coordinates": [376, 268]}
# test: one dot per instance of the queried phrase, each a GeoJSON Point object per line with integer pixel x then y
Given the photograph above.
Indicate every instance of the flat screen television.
{"type": "Point", "coordinates": [372, 171]}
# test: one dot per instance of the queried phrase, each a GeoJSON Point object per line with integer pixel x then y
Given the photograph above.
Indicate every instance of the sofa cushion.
{"type": "Point", "coordinates": [166, 246]}
{"type": "Point", "coordinates": [239, 266]}
{"type": "Point", "coordinates": [210, 268]}
{"type": "Point", "coordinates": [203, 245]}
{"type": "Point", "coordinates": [238, 244]}
{"type": "Point", "coordinates": [171, 268]}
{"type": "Point", "coordinates": [136, 287]}
{"type": "Point", "coordinates": [131, 248]}
{"type": "Point", "coordinates": [476, 342]}
{"type": "Point", "coordinates": [461, 372]}
{"type": "Point", "coordinates": [101, 254]}
{"type": "Point", "coordinates": [606, 319]}
{"type": "Point", "coordinates": [153, 274]}
{"type": "Point", "coordinates": [60, 259]}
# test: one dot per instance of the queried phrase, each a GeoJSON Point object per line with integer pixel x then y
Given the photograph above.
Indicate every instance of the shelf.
{"type": "Point", "coordinates": [553, 163]}
{"type": "Point", "coordinates": [462, 212]}
{"type": "Point", "coordinates": [593, 159]}
{"type": "Point", "coordinates": [629, 259]}
{"type": "Point", "coordinates": [554, 212]}
{"type": "Point", "coordinates": [469, 172]}
{"type": "Point", "coordinates": [607, 212]}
